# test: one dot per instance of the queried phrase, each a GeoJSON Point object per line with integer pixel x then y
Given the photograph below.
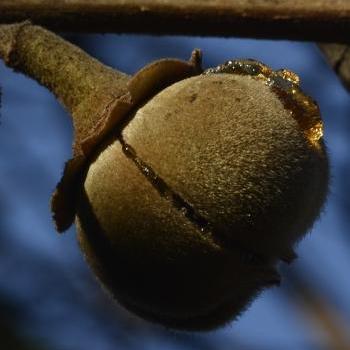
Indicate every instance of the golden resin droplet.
{"type": "Point", "coordinates": [289, 75]}
{"type": "Point", "coordinates": [285, 84]}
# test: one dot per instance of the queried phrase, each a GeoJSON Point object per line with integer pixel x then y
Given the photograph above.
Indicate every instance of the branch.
{"type": "Point", "coordinates": [317, 20]}
{"type": "Point", "coordinates": [338, 57]}
{"type": "Point", "coordinates": [318, 309]}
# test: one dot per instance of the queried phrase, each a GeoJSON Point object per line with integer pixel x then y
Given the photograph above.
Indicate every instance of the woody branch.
{"type": "Point", "coordinates": [317, 20]}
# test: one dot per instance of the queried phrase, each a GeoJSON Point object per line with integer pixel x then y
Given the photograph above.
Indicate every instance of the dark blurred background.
{"type": "Point", "coordinates": [48, 297]}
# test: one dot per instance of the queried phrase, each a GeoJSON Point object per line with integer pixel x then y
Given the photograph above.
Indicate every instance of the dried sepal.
{"type": "Point", "coordinates": [97, 97]}
{"type": "Point", "coordinates": [148, 81]}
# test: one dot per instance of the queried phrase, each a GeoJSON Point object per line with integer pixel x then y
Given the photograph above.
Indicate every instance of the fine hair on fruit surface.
{"type": "Point", "coordinates": [187, 187]}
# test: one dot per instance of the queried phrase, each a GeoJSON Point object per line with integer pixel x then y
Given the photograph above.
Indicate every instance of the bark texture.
{"type": "Point", "coordinates": [320, 20]}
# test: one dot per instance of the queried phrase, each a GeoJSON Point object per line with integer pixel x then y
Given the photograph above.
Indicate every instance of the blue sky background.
{"type": "Point", "coordinates": [47, 293]}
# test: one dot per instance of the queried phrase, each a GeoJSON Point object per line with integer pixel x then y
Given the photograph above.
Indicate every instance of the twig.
{"type": "Point", "coordinates": [317, 20]}
{"type": "Point", "coordinates": [339, 58]}
{"type": "Point", "coordinates": [319, 311]}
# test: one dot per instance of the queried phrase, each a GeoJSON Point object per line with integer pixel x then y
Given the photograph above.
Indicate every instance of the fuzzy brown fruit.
{"type": "Point", "coordinates": [186, 209]}
{"type": "Point", "coordinates": [184, 201]}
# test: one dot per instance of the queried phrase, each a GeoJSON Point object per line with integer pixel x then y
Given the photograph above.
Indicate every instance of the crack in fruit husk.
{"type": "Point", "coordinates": [202, 224]}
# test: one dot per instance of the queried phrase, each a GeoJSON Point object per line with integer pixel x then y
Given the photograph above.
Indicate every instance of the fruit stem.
{"type": "Point", "coordinates": [81, 83]}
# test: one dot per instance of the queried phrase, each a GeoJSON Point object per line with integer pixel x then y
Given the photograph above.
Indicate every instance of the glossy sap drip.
{"type": "Point", "coordinates": [285, 84]}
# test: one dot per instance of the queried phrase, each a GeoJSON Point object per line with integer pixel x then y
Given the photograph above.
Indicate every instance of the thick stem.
{"type": "Point", "coordinates": [316, 20]}
{"type": "Point", "coordinates": [83, 85]}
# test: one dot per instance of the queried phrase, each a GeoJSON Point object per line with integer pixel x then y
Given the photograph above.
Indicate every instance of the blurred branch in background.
{"type": "Point", "coordinates": [317, 20]}
{"type": "Point", "coordinates": [338, 55]}
{"type": "Point", "coordinates": [9, 337]}
{"type": "Point", "coordinates": [318, 310]}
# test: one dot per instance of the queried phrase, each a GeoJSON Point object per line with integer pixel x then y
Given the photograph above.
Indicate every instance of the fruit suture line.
{"type": "Point", "coordinates": [184, 207]}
